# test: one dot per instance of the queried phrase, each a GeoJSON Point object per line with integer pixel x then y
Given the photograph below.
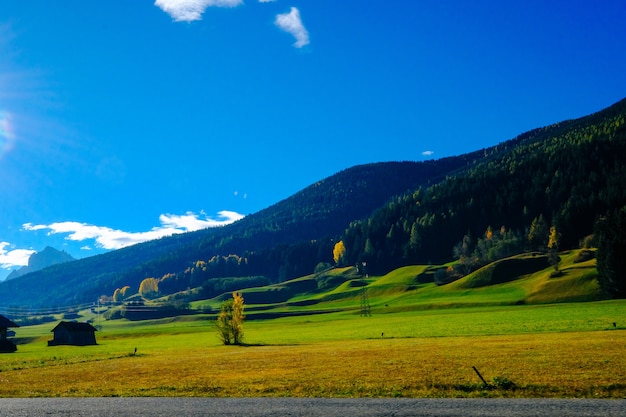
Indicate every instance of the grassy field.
{"type": "Point", "coordinates": [565, 350]}
{"type": "Point", "coordinates": [421, 340]}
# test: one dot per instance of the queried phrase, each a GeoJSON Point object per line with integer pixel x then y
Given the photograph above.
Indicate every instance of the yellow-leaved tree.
{"type": "Point", "coordinates": [116, 295]}
{"type": "Point", "coordinates": [121, 293]}
{"type": "Point", "coordinates": [339, 252]}
{"type": "Point", "coordinates": [553, 250]}
{"type": "Point", "coordinates": [125, 292]}
{"type": "Point", "coordinates": [230, 320]}
{"type": "Point", "coordinates": [149, 288]}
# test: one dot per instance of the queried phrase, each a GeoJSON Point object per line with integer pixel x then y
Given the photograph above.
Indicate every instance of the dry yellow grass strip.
{"type": "Point", "coordinates": [587, 364]}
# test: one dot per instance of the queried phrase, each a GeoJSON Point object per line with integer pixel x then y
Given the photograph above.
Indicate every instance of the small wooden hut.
{"type": "Point", "coordinates": [6, 345]}
{"type": "Point", "coordinates": [73, 333]}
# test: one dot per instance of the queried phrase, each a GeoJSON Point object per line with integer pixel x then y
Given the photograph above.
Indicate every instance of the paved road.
{"type": "Point", "coordinates": [292, 407]}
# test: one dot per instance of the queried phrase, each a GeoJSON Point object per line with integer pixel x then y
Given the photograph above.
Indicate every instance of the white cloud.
{"type": "Point", "coordinates": [190, 222]}
{"type": "Point", "coordinates": [428, 153]}
{"type": "Point", "coordinates": [190, 10]}
{"type": "Point", "coordinates": [291, 23]}
{"type": "Point", "coordinates": [13, 258]}
{"type": "Point", "coordinates": [108, 238]}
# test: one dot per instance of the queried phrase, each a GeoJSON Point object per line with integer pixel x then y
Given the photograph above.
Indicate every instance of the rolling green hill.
{"type": "Point", "coordinates": [521, 279]}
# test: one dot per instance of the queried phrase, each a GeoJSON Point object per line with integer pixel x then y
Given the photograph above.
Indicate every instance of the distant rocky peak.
{"type": "Point", "coordinates": [39, 260]}
{"type": "Point", "coordinates": [47, 257]}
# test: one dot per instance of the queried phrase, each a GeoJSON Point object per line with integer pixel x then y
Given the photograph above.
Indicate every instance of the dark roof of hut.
{"type": "Point", "coordinates": [75, 326]}
{"type": "Point", "coordinates": [4, 322]}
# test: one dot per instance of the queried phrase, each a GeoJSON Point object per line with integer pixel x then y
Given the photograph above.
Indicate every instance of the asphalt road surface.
{"type": "Point", "coordinates": [309, 407]}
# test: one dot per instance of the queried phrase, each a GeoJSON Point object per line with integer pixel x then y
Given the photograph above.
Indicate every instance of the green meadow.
{"type": "Point", "coordinates": [338, 334]}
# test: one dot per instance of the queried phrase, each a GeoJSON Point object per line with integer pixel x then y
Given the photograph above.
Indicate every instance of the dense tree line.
{"type": "Point", "coordinates": [221, 274]}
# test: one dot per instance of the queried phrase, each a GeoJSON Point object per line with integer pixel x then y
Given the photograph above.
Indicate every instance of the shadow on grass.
{"type": "Point", "coordinates": [248, 345]}
{"type": "Point", "coordinates": [25, 340]}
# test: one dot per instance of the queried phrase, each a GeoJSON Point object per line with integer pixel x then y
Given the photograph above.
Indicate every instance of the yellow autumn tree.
{"type": "Point", "coordinates": [553, 250]}
{"type": "Point", "coordinates": [553, 239]}
{"type": "Point", "coordinates": [230, 320]}
{"type": "Point", "coordinates": [121, 293]}
{"type": "Point", "coordinates": [339, 251]}
{"type": "Point", "coordinates": [149, 288]}
{"type": "Point", "coordinates": [125, 291]}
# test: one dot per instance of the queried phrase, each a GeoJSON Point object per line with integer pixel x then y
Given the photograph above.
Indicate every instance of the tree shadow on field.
{"type": "Point", "coordinates": [248, 345]}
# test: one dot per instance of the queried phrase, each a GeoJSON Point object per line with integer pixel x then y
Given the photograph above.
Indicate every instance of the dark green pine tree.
{"type": "Point", "coordinates": [610, 234]}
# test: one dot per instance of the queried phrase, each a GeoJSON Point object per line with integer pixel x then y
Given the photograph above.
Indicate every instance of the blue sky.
{"type": "Point", "coordinates": [122, 120]}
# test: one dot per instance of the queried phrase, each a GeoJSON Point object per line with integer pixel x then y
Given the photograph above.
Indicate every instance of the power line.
{"type": "Point", "coordinates": [22, 311]}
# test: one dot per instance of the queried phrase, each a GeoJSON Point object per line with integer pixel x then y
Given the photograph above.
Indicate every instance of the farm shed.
{"type": "Point", "coordinates": [73, 333]}
{"type": "Point", "coordinates": [6, 345]}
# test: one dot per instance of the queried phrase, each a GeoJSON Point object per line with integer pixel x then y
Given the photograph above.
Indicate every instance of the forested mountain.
{"type": "Point", "coordinates": [282, 241]}
{"type": "Point", "coordinates": [566, 175]}
{"type": "Point", "coordinates": [388, 214]}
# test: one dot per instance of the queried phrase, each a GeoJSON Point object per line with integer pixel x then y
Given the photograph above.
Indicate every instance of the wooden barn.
{"type": "Point", "coordinates": [73, 333]}
{"type": "Point", "coordinates": [6, 345]}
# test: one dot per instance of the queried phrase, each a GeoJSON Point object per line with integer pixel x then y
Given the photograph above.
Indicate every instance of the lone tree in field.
{"type": "Point", "coordinates": [230, 320]}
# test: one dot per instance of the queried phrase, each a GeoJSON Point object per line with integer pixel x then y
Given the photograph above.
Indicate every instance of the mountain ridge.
{"type": "Point", "coordinates": [362, 195]}
{"type": "Point", "coordinates": [569, 173]}
{"type": "Point", "coordinates": [39, 260]}
{"type": "Point", "coordinates": [320, 211]}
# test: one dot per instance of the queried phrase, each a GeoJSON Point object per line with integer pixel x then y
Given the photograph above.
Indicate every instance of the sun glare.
{"type": "Point", "coordinates": [7, 136]}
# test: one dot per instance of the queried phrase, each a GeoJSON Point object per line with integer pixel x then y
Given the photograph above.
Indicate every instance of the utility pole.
{"type": "Point", "coordinates": [365, 304]}
{"type": "Point", "coordinates": [98, 313]}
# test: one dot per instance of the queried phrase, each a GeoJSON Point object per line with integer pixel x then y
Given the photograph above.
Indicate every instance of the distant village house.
{"type": "Point", "coordinates": [6, 345]}
{"type": "Point", "coordinates": [73, 333]}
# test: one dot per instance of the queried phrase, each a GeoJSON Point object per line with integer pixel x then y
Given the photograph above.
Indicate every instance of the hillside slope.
{"type": "Point", "coordinates": [521, 279]}
{"type": "Point", "coordinates": [320, 211]}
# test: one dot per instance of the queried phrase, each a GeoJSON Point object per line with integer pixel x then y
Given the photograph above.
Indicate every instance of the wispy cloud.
{"type": "Point", "coordinates": [428, 153]}
{"type": "Point", "coordinates": [190, 10]}
{"type": "Point", "coordinates": [108, 238]}
{"type": "Point", "coordinates": [244, 195]}
{"type": "Point", "coordinates": [292, 23]}
{"type": "Point", "coordinates": [13, 258]}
